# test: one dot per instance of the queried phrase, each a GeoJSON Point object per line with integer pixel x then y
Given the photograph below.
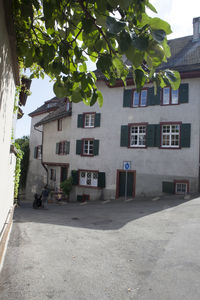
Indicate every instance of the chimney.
{"type": "Point", "coordinates": [196, 29]}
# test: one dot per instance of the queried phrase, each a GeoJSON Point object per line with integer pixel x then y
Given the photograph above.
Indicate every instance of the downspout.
{"type": "Point", "coordinates": [46, 169]}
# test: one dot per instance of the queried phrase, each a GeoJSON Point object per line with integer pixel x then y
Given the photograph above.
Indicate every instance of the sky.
{"type": "Point", "coordinates": [178, 13]}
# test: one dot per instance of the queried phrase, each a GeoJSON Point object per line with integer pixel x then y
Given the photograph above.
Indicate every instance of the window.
{"type": "Point", "coordinates": [60, 125]}
{"type": "Point", "coordinates": [140, 99]}
{"type": "Point", "coordinates": [38, 152]}
{"type": "Point", "coordinates": [63, 147]}
{"type": "Point", "coordinates": [53, 174]}
{"type": "Point", "coordinates": [138, 136]}
{"type": "Point", "coordinates": [88, 147]}
{"type": "Point", "coordinates": [88, 178]}
{"type": "Point", "coordinates": [170, 136]}
{"type": "Point", "coordinates": [89, 120]}
{"type": "Point", "coordinates": [170, 96]}
{"type": "Point", "coordinates": [181, 188]}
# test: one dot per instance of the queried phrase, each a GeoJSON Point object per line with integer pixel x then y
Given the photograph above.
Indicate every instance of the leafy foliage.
{"type": "Point", "coordinates": [66, 186]}
{"type": "Point", "coordinates": [24, 146]}
{"type": "Point", "coordinates": [17, 169]}
{"type": "Point", "coordinates": [56, 37]}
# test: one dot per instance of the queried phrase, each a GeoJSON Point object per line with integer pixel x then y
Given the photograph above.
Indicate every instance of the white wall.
{"type": "Point", "coordinates": [7, 95]}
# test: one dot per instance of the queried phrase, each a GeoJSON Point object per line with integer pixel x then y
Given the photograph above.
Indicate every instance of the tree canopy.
{"type": "Point", "coordinates": [56, 37]}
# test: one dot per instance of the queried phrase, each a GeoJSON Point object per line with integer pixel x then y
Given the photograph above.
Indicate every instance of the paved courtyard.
{"type": "Point", "coordinates": [118, 250]}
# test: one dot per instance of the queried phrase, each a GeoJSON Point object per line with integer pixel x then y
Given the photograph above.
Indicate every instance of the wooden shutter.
{"type": "Point", "coordinates": [153, 135]}
{"type": "Point", "coordinates": [35, 152]}
{"type": "Point", "coordinates": [183, 93]}
{"type": "Point", "coordinates": [128, 98]}
{"type": "Point", "coordinates": [150, 135]}
{"type": "Point", "coordinates": [153, 99]}
{"type": "Point", "coordinates": [124, 140]}
{"type": "Point", "coordinates": [185, 135]}
{"type": "Point", "coordinates": [41, 149]}
{"type": "Point", "coordinates": [79, 147]}
{"type": "Point", "coordinates": [80, 121]}
{"type": "Point", "coordinates": [57, 148]}
{"type": "Point", "coordinates": [101, 179]}
{"type": "Point", "coordinates": [75, 177]}
{"type": "Point", "coordinates": [168, 187]}
{"type": "Point", "coordinates": [97, 120]}
{"type": "Point", "coordinates": [96, 147]}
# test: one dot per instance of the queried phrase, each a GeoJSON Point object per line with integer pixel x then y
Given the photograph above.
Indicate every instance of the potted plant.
{"type": "Point", "coordinates": [25, 90]}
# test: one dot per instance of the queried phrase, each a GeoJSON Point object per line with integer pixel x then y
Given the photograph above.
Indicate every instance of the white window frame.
{"type": "Point", "coordinates": [88, 178]}
{"type": "Point", "coordinates": [181, 184]}
{"type": "Point", "coordinates": [140, 95]}
{"type": "Point", "coordinates": [140, 136]}
{"type": "Point", "coordinates": [89, 120]}
{"type": "Point", "coordinates": [88, 147]}
{"type": "Point", "coordinates": [173, 96]}
{"type": "Point", "coordinates": [170, 134]}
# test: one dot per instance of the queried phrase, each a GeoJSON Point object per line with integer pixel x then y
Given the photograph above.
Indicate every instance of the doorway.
{"type": "Point", "coordinates": [63, 174]}
{"type": "Point", "coordinates": [121, 179]}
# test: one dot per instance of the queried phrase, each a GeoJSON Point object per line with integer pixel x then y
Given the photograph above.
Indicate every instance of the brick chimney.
{"type": "Point", "coordinates": [196, 29]}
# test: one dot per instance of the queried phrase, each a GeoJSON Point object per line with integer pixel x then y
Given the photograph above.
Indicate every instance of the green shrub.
{"type": "Point", "coordinates": [66, 186]}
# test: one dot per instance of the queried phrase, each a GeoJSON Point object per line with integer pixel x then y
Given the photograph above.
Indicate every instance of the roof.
{"type": "Point", "coordinates": [59, 113]}
{"type": "Point", "coordinates": [48, 106]}
{"type": "Point", "coordinates": [185, 54]}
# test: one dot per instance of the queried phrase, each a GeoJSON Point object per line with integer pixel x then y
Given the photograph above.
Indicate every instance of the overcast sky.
{"type": "Point", "coordinates": [178, 13]}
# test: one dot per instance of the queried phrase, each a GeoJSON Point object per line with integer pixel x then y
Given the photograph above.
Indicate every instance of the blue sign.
{"type": "Point", "coordinates": [127, 165]}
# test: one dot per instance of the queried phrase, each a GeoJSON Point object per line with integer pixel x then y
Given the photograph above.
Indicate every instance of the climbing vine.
{"type": "Point", "coordinates": [19, 156]}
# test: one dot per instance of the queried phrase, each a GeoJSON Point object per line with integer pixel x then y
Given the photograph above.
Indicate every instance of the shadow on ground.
{"type": "Point", "coordinates": [95, 215]}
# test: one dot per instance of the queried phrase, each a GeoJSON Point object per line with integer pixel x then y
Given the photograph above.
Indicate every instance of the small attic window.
{"type": "Point", "coordinates": [49, 105]}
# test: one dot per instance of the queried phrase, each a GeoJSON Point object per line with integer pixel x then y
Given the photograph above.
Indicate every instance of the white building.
{"type": "Point", "coordinates": [9, 78]}
{"type": "Point", "coordinates": [157, 134]}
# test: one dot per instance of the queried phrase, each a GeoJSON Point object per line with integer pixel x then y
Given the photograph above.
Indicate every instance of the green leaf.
{"type": "Point", "coordinates": [124, 41]}
{"type": "Point", "coordinates": [140, 42]}
{"type": "Point", "coordinates": [83, 67]}
{"type": "Point", "coordinates": [139, 79]}
{"type": "Point", "coordinates": [158, 35]}
{"type": "Point", "coordinates": [113, 26]}
{"type": "Point", "coordinates": [157, 23]}
{"type": "Point", "coordinates": [151, 7]}
{"type": "Point", "coordinates": [59, 89]}
{"type": "Point", "coordinates": [174, 78]}
{"type": "Point", "coordinates": [99, 98]}
{"type": "Point", "coordinates": [135, 56]}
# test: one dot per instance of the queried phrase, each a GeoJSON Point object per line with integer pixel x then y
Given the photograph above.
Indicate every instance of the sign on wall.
{"type": "Point", "coordinates": [127, 165]}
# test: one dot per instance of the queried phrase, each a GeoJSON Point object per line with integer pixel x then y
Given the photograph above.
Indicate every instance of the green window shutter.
{"type": "Point", "coordinates": [79, 198]}
{"type": "Point", "coordinates": [80, 121]}
{"type": "Point", "coordinates": [150, 135]}
{"type": "Point", "coordinates": [168, 187]}
{"type": "Point", "coordinates": [128, 98]}
{"type": "Point", "coordinates": [153, 135]}
{"type": "Point", "coordinates": [185, 135]}
{"type": "Point", "coordinates": [153, 99]}
{"type": "Point", "coordinates": [75, 177]}
{"type": "Point", "coordinates": [35, 152]}
{"type": "Point", "coordinates": [57, 148]}
{"type": "Point", "coordinates": [101, 179]}
{"type": "Point", "coordinates": [158, 136]}
{"type": "Point", "coordinates": [124, 140]}
{"type": "Point", "coordinates": [96, 147]}
{"type": "Point", "coordinates": [97, 120]}
{"type": "Point", "coordinates": [183, 93]}
{"type": "Point", "coordinates": [79, 147]}
{"type": "Point", "coordinates": [41, 149]}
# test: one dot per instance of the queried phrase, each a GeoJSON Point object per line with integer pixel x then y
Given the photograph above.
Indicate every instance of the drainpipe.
{"type": "Point", "coordinates": [45, 167]}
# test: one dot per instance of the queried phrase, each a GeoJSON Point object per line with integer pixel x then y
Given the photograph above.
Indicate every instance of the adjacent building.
{"type": "Point", "coordinates": [154, 136]}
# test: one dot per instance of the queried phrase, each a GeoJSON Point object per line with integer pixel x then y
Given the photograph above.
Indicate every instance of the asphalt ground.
{"type": "Point", "coordinates": [117, 250]}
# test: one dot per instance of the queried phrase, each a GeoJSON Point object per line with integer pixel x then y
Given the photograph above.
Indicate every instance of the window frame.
{"type": "Point", "coordinates": [129, 135]}
{"type": "Point", "coordinates": [83, 145]}
{"type": "Point", "coordinates": [176, 182]}
{"type": "Point", "coordinates": [38, 152]}
{"type": "Point", "coordinates": [170, 96]}
{"type": "Point", "coordinates": [140, 93]}
{"type": "Point", "coordinates": [161, 135]}
{"type": "Point", "coordinates": [61, 148]}
{"type": "Point", "coordinates": [59, 124]}
{"type": "Point", "coordinates": [85, 185]}
{"type": "Point", "coordinates": [84, 119]}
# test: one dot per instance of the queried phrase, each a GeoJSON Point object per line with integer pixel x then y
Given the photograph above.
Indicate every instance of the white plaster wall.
{"type": "Point", "coordinates": [7, 95]}
{"type": "Point", "coordinates": [36, 177]}
{"type": "Point", "coordinates": [152, 165]}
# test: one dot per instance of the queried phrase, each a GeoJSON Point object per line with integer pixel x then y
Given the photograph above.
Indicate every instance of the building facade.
{"type": "Point", "coordinates": [156, 135]}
